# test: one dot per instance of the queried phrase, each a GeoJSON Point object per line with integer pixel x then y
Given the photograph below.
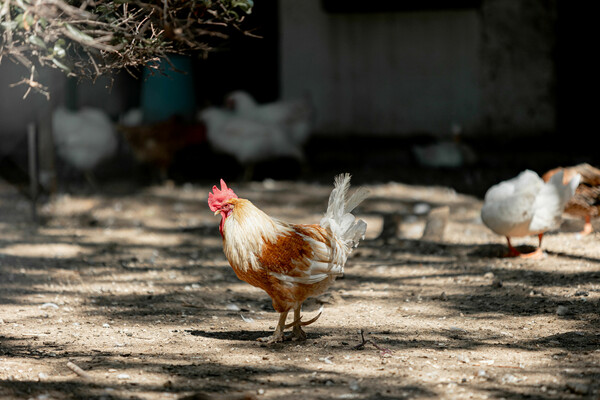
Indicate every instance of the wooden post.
{"type": "Point", "coordinates": [435, 225]}
{"type": "Point", "coordinates": [45, 154]}
{"type": "Point", "coordinates": [32, 142]}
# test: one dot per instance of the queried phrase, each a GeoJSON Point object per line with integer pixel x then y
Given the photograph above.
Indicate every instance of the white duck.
{"type": "Point", "coordinates": [525, 205]}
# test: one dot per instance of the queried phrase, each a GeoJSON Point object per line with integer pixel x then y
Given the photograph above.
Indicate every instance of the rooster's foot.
{"type": "Point", "coordinates": [276, 337]}
{"type": "Point", "coordinates": [298, 334]}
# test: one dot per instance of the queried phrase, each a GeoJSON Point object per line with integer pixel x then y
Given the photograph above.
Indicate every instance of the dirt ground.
{"type": "Point", "coordinates": [133, 288]}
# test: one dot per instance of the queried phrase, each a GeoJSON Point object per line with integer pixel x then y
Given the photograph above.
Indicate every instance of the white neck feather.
{"type": "Point", "coordinates": [245, 231]}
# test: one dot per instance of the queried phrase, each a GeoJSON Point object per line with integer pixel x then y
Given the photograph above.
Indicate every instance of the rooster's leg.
{"type": "Point", "coordinates": [91, 179]}
{"type": "Point", "coordinates": [163, 173]}
{"type": "Point", "coordinates": [297, 332]}
{"type": "Point", "coordinates": [277, 336]}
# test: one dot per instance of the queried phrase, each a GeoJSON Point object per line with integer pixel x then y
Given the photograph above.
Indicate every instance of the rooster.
{"type": "Point", "coordinates": [290, 262]}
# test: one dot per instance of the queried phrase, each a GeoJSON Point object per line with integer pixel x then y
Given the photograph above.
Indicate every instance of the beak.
{"type": "Point", "coordinates": [217, 212]}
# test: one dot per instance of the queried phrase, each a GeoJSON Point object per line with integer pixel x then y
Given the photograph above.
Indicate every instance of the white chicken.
{"type": "Point", "coordinates": [83, 138]}
{"type": "Point", "coordinates": [295, 116]}
{"type": "Point", "coordinates": [248, 140]}
{"type": "Point", "coordinates": [445, 153]}
{"type": "Point", "coordinates": [525, 205]}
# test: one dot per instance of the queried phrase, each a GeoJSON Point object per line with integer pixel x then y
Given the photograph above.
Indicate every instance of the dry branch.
{"type": "Point", "coordinates": [86, 39]}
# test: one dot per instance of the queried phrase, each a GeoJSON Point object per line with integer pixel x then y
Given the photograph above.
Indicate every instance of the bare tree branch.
{"type": "Point", "coordinates": [89, 38]}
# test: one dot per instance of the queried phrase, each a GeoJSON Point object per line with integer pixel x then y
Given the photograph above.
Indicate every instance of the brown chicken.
{"type": "Point", "coordinates": [290, 262]}
{"type": "Point", "coordinates": [586, 201]}
{"type": "Point", "coordinates": [158, 143]}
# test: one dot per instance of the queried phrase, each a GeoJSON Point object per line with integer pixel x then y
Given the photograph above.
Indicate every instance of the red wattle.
{"type": "Point", "coordinates": [224, 215]}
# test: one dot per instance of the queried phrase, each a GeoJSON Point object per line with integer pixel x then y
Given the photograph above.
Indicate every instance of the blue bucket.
{"type": "Point", "coordinates": [168, 91]}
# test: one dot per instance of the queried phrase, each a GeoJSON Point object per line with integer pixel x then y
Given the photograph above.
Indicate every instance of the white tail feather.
{"type": "Point", "coordinates": [338, 216]}
{"type": "Point", "coordinates": [356, 198]}
{"type": "Point", "coordinates": [551, 200]}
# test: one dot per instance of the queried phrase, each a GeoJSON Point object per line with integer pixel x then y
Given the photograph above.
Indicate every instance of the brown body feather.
{"type": "Point", "coordinates": [290, 262]}
{"type": "Point", "coordinates": [586, 201]}
{"type": "Point", "coordinates": [289, 254]}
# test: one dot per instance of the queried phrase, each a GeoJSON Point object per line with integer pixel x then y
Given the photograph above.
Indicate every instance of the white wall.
{"type": "Point", "coordinates": [382, 73]}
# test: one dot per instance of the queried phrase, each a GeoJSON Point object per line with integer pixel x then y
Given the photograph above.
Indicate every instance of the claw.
{"type": "Point", "coordinates": [293, 323]}
{"type": "Point", "coordinates": [274, 338]}
{"type": "Point", "coordinates": [298, 334]}
{"type": "Point", "coordinates": [310, 321]}
{"type": "Point", "coordinates": [299, 323]}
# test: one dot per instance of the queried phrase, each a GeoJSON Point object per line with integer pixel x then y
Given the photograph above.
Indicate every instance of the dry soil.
{"type": "Point", "coordinates": [129, 296]}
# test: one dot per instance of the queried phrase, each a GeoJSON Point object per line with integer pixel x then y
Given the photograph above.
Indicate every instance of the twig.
{"type": "Point", "coordinates": [98, 73]}
{"type": "Point", "coordinates": [38, 87]}
{"type": "Point", "coordinates": [361, 345]}
{"type": "Point", "coordinates": [187, 304]}
{"type": "Point", "coordinates": [94, 37]}
{"type": "Point", "coordinates": [6, 11]}
{"type": "Point", "coordinates": [68, 9]}
{"type": "Point", "coordinates": [75, 368]}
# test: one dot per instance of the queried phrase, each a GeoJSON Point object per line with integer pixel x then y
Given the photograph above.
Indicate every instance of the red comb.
{"type": "Point", "coordinates": [218, 197]}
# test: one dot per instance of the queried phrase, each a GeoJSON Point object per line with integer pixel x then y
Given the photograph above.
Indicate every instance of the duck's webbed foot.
{"type": "Point", "coordinates": [534, 255]}
{"type": "Point", "coordinates": [587, 227]}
